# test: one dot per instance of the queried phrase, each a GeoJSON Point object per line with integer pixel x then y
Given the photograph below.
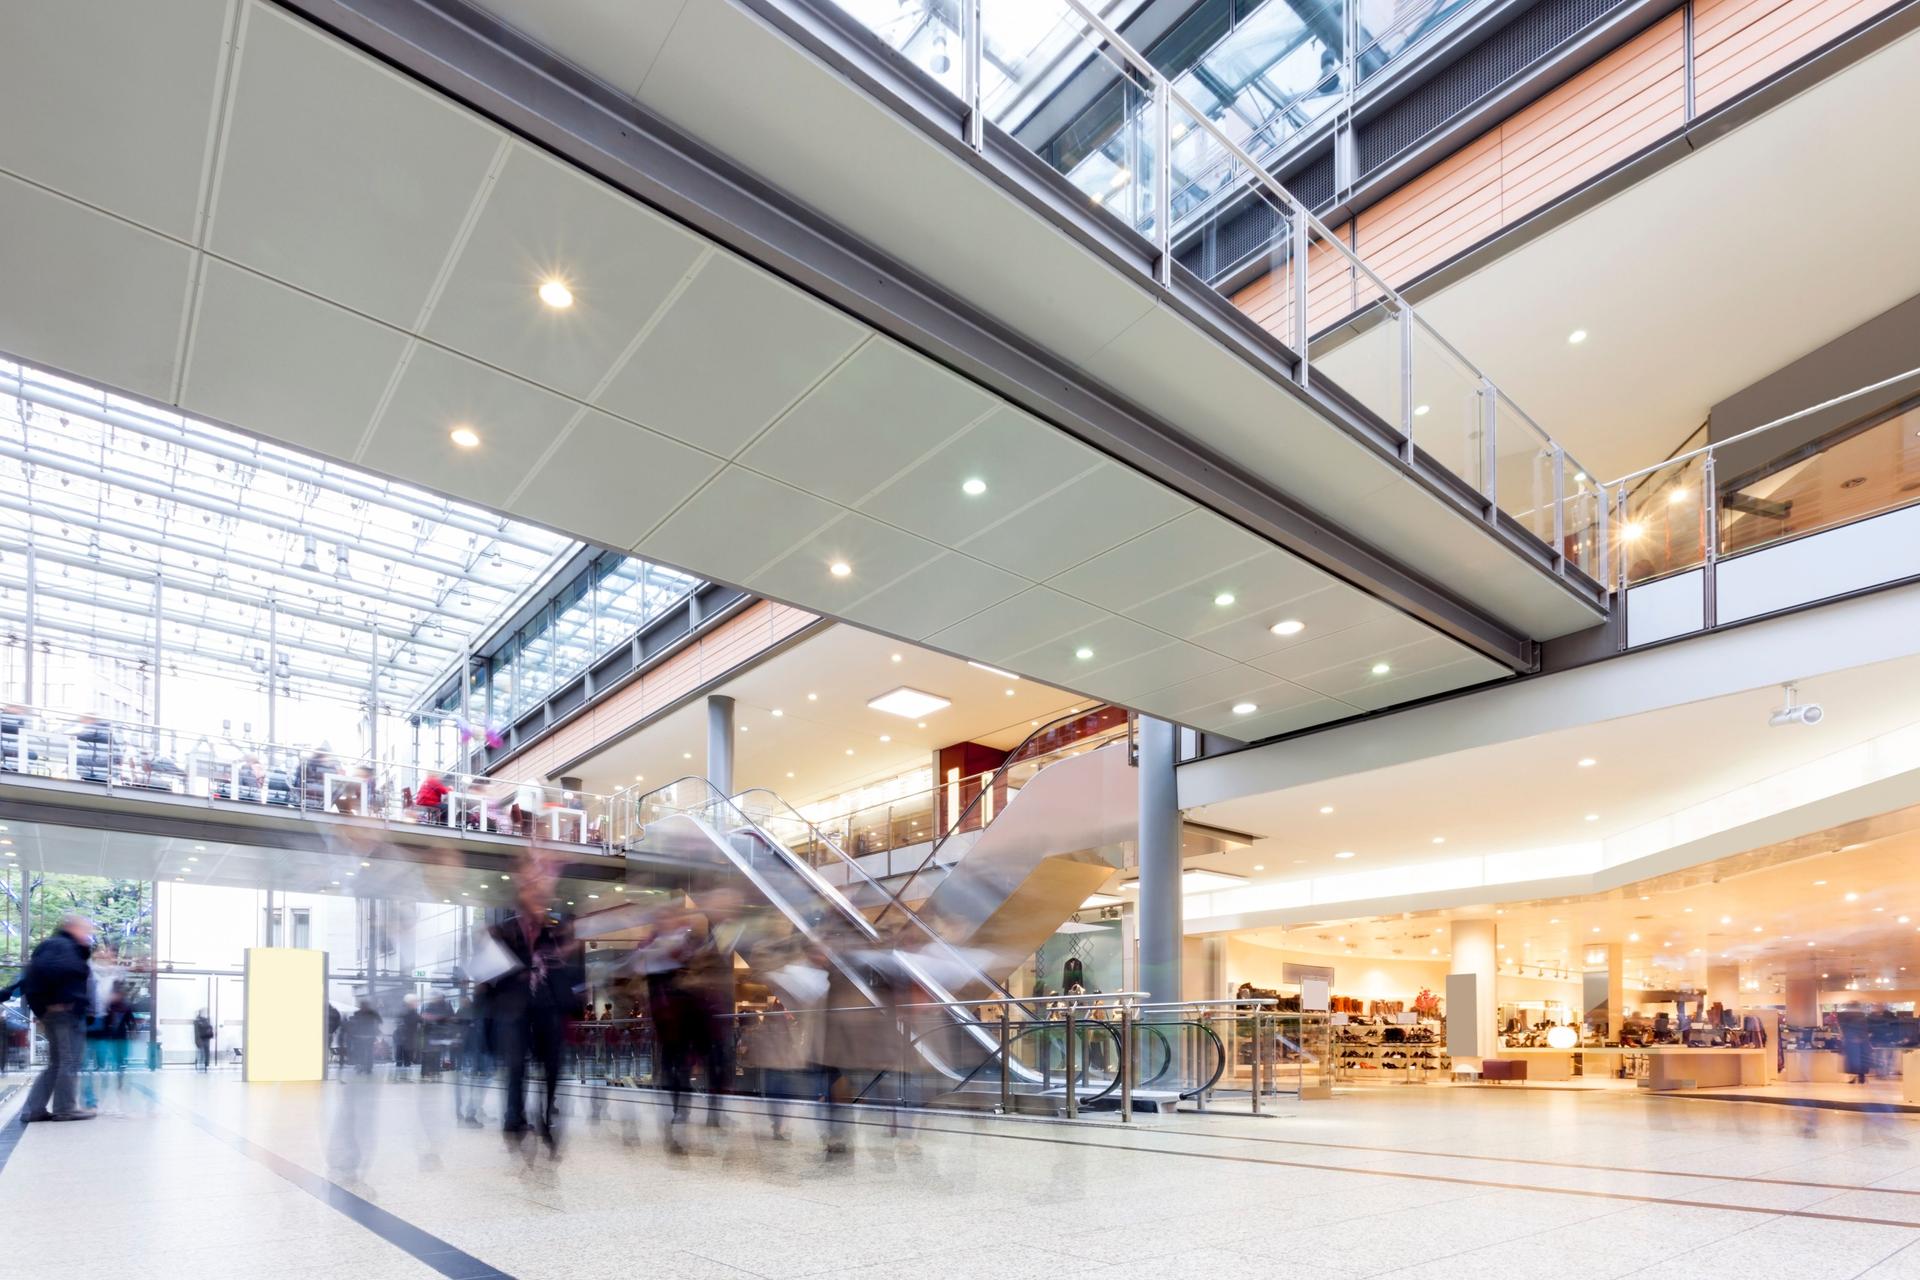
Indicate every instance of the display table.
{"type": "Point", "coordinates": [1668, 1065]}
{"type": "Point", "coordinates": [1814, 1066]}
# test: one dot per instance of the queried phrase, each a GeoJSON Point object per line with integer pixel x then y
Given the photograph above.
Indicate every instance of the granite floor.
{"type": "Point", "coordinates": [205, 1176]}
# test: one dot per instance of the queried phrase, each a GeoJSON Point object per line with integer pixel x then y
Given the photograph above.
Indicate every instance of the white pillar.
{"type": "Point", "coordinates": [1162, 911]}
{"type": "Point", "coordinates": [1723, 986]}
{"type": "Point", "coordinates": [720, 742]}
{"type": "Point", "coordinates": [1476, 954]}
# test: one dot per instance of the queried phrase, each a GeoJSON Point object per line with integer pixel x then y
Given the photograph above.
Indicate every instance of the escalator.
{"type": "Point", "coordinates": [1043, 832]}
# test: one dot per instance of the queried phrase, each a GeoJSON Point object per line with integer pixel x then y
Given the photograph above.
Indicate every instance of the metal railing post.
{"type": "Point", "coordinates": [1163, 179]}
{"type": "Point", "coordinates": [1709, 543]}
{"type": "Point", "coordinates": [973, 49]}
{"type": "Point", "coordinates": [1559, 459]}
{"type": "Point", "coordinates": [1406, 382]}
{"type": "Point", "coordinates": [1603, 535]}
{"type": "Point", "coordinates": [1490, 447]}
{"type": "Point", "coordinates": [1073, 1083]}
{"type": "Point", "coordinates": [1302, 326]}
{"type": "Point", "coordinates": [1006, 1060]}
{"type": "Point", "coordinates": [1257, 1053]}
{"type": "Point", "coordinates": [1126, 1062]}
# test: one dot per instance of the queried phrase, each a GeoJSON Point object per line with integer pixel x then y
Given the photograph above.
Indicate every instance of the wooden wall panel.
{"type": "Point", "coordinates": [1621, 104]}
{"type": "Point", "coordinates": [733, 643]}
{"type": "Point", "coordinates": [1738, 43]}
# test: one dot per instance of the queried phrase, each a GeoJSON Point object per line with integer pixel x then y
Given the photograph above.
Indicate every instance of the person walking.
{"type": "Point", "coordinates": [56, 987]}
{"type": "Point", "coordinates": [202, 1041]}
{"type": "Point", "coordinates": [533, 1003]}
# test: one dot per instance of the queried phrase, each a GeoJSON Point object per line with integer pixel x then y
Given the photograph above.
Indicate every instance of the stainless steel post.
{"type": "Point", "coordinates": [1490, 447]}
{"type": "Point", "coordinates": [973, 46]}
{"type": "Point", "coordinates": [1006, 1060]}
{"type": "Point", "coordinates": [373, 695]}
{"type": "Point", "coordinates": [1073, 1074]}
{"type": "Point", "coordinates": [1406, 380]}
{"type": "Point", "coordinates": [1559, 460]}
{"type": "Point", "coordinates": [1126, 1062]}
{"type": "Point", "coordinates": [1302, 329]}
{"type": "Point", "coordinates": [273, 670]}
{"type": "Point", "coordinates": [1709, 542]}
{"type": "Point", "coordinates": [26, 670]}
{"type": "Point", "coordinates": [158, 641]}
{"type": "Point", "coordinates": [1257, 1050]}
{"type": "Point", "coordinates": [1163, 179]}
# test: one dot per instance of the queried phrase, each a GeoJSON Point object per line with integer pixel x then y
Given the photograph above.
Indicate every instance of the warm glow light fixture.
{"type": "Point", "coordinates": [464, 436]}
{"type": "Point", "coordinates": [973, 486]}
{"type": "Point", "coordinates": [1289, 627]}
{"type": "Point", "coordinates": [909, 704]}
{"type": "Point", "coordinates": [554, 293]}
{"type": "Point", "coordinates": [1244, 708]}
{"type": "Point", "coordinates": [839, 568]}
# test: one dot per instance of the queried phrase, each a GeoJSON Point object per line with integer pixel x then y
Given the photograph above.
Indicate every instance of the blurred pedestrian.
{"type": "Point", "coordinates": [476, 1056]}
{"type": "Point", "coordinates": [406, 1037]}
{"type": "Point", "coordinates": [55, 985]}
{"type": "Point", "coordinates": [533, 1003]}
{"type": "Point", "coordinates": [361, 1032]}
{"type": "Point", "coordinates": [202, 1041]}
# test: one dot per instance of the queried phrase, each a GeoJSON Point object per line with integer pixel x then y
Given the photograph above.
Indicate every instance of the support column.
{"type": "Point", "coordinates": [1162, 913]}
{"type": "Point", "coordinates": [1476, 956]}
{"type": "Point", "coordinates": [720, 742]}
{"type": "Point", "coordinates": [1603, 986]}
{"type": "Point", "coordinates": [1803, 1001]}
{"type": "Point", "coordinates": [1723, 985]}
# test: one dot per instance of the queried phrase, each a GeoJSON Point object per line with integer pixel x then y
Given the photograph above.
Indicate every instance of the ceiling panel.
{"type": "Point", "coordinates": [1081, 519]}
{"type": "Point", "coordinates": [952, 587]}
{"type": "Point", "coordinates": [1311, 654]}
{"type": "Point", "coordinates": [735, 348]}
{"type": "Point", "coordinates": [1107, 641]}
{"type": "Point", "coordinates": [311, 120]}
{"type": "Point", "coordinates": [1259, 591]}
{"type": "Point", "coordinates": [1170, 664]}
{"type": "Point", "coordinates": [1324, 612]}
{"type": "Point", "coordinates": [872, 418]}
{"type": "Point", "coordinates": [876, 554]}
{"type": "Point", "coordinates": [106, 297]}
{"type": "Point", "coordinates": [1458, 672]}
{"type": "Point", "coordinates": [1195, 549]}
{"type": "Point", "coordinates": [286, 363]}
{"type": "Point", "coordinates": [738, 524]}
{"type": "Point", "coordinates": [121, 99]}
{"type": "Point", "coordinates": [1032, 618]}
{"type": "Point", "coordinates": [1016, 457]}
{"type": "Point", "coordinates": [1368, 667]}
{"type": "Point", "coordinates": [439, 391]}
{"type": "Point", "coordinates": [543, 220]}
{"type": "Point", "coordinates": [610, 480]}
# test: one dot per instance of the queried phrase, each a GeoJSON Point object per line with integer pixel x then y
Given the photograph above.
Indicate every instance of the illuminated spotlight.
{"type": "Point", "coordinates": [555, 294]}
{"type": "Point", "coordinates": [465, 437]}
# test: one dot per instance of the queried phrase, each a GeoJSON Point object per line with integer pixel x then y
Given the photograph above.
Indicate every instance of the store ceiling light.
{"type": "Point", "coordinates": [777, 713]}
{"type": "Point", "coordinates": [1586, 762]}
{"type": "Point", "coordinates": [1004, 675]}
{"type": "Point", "coordinates": [1381, 668]}
{"type": "Point", "coordinates": [1244, 708]}
{"type": "Point", "coordinates": [1593, 817]}
{"type": "Point", "coordinates": [1083, 653]}
{"type": "Point", "coordinates": [1326, 809]}
{"type": "Point", "coordinates": [1577, 337]}
{"type": "Point", "coordinates": [839, 568]}
{"type": "Point", "coordinates": [1224, 599]}
{"type": "Point", "coordinates": [1853, 897]}
{"type": "Point", "coordinates": [1288, 627]}
{"type": "Point", "coordinates": [1439, 839]}
{"type": "Point", "coordinates": [909, 704]}
{"type": "Point", "coordinates": [554, 293]}
{"type": "Point", "coordinates": [464, 436]}
{"type": "Point", "coordinates": [1100, 900]}
{"type": "Point", "coordinates": [973, 486]}
{"type": "Point", "coordinates": [1344, 854]}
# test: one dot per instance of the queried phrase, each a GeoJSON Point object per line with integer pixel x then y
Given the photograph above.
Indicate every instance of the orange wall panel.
{"type": "Point", "coordinates": [1738, 43]}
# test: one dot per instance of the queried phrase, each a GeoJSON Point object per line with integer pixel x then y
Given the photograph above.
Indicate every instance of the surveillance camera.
{"type": "Point", "coordinates": [1796, 712]}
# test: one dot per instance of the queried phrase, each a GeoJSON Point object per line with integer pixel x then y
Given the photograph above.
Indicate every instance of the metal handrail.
{"type": "Point", "coordinates": [1681, 459]}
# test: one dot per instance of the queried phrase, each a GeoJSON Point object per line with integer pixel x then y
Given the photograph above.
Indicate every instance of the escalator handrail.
{"type": "Point", "coordinates": [1025, 1029]}
{"type": "Point", "coordinates": [1208, 1034]}
{"type": "Point", "coordinates": [1014, 757]}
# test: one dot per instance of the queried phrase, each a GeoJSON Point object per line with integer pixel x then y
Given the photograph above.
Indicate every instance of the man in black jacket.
{"type": "Point", "coordinates": [532, 1005]}
{"type": "Point", "coordinates": [56, 987]}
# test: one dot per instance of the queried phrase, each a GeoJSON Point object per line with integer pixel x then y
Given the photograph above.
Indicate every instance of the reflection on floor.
{"type": "Point", "coordinates": [211, 1178]}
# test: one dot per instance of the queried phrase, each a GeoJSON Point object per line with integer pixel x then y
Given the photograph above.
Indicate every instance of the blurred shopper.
{"type": "Point", "coordinates": [334, 1056]}
{"type": "Point", "coordinates": [406, 1037]}
{"type": "Point", "coordinates": [202, 1041]}
{"type": "Point", "coordinates": [55, 985]}
{"type": "Point", "coordinates": [361, 1033]}
{"type": "Point", "coordinates": [431, 800]}
{"type": "Point", "coordinates": [116, 1029]}
{"type": "Point", "coordinates": [1856, 1046]}
{"type": "Point", "coordinates": [438, 1035]}
{"type": "Point", "coordinates": [351, 1145]}
{"type": "Point", "coordinates": [475, 1021]}
{"type": "Point", "coordinates": [533, 1003]}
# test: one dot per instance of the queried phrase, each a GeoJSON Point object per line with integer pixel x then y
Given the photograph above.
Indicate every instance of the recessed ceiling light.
{"type": "Point", "coordinates": [1224, 599]}
{"type": "Point", "coordinates": [1344, 853]}
{"type": "Point", "coordinates": [555, 294]}
{"type": "Point", "coordinates": [1381, 668]}
{"type": "Point", "coordinates": [849, 750]}
{"type": "Point", "coordinates": [1009, 693]}
{"type": "Point", "coordinates": [895, 658]}
{"type": "Point", "coordinates": [813, 697]}
{"type": "Point", "coordinates": [1259, 866]}
{"type": "Point", "coordinates": [1587, 762]}
{"type": "Point", "coordinates": [1083, 653]}
{"type": "Point", "coordinates": [1577, 337]}
{"type": "Point", "coordinates": [777, 713]}
{"type": "Point", "coordinates": [1686, 911]}
{"type": "Point", "coordinates": [191, 858]}
{"type": "Point", "coordinates": [1595, 929]}
{"type": "Point", "coordinates": [920, 724]}
{"type": "Point", "coordinates": [199, 848]}
{"type": "Point", "coordinates": [1244, 708]}
{"type": "Point", "coordinates": [839, 568]}
{"type": "Point", "coordinates": [639, 777]}
{"type": "Point", "coordinates": [1633, 937]}
{"type": "Point", "coordinates": [1879, 908]}
{"type": "Point", "coordinates": [1853, 897]}
{"type": "Point", "coordinates": [1439, 839]}
{"type": "Point", "coordinates": [1421, 410]}
{"type": "Point", "coordinates": [909, 704]}
{"type": "Point", "coordinates": [1593, 817]}
{"type": "Point", "coordinates": [973, 486]}
{"type": "Point", "coordinates": [789, 773]}
{"type": "Point", "coordinates": [1726, 919]}
{"type": "Point", "coordinates": [886, 738]}
{"type": "Point", "coordinates": [1818, 883]}
{"type": "Point", "coordinates": [366, 864]}
{"type": "Point", "coordinates": [465, 437]}
{"type": "Point", "coordinates": [1288, 627]}
{"type": "Point", "coordinates": [686, 755]}
{"type": "Point", "coordinates": [1326, 808]}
